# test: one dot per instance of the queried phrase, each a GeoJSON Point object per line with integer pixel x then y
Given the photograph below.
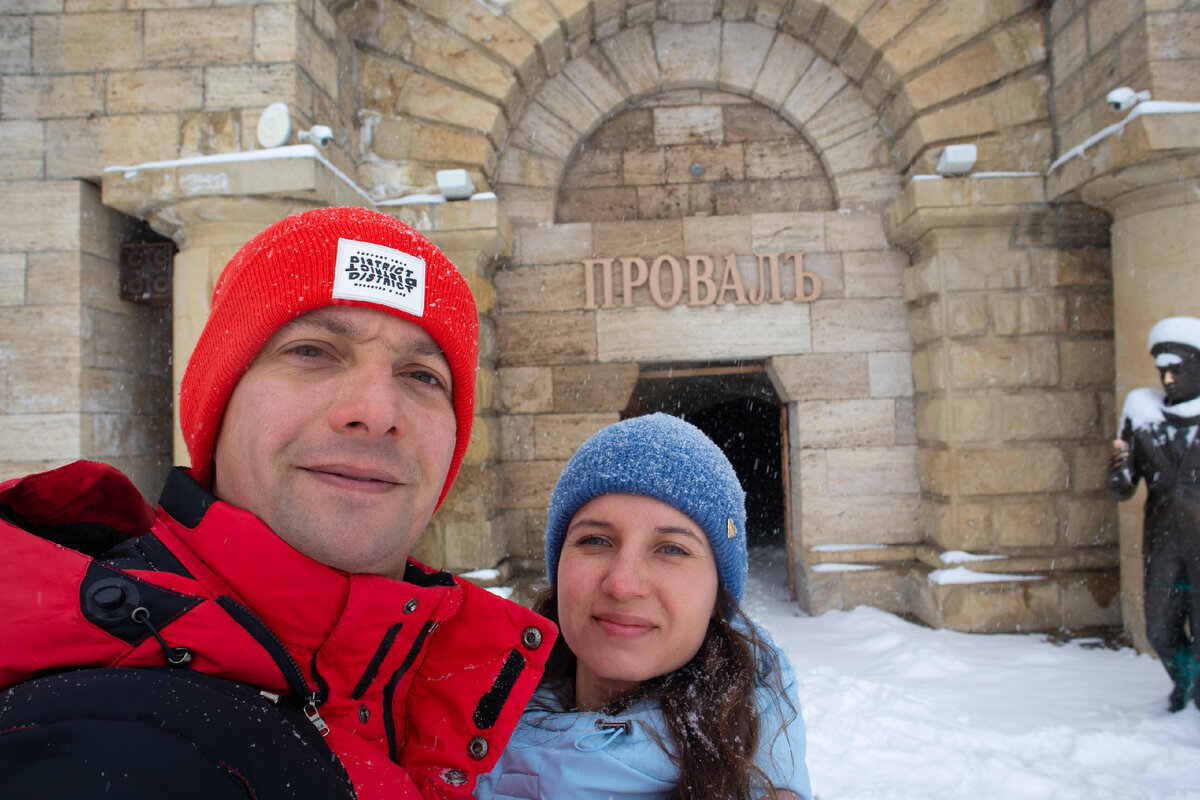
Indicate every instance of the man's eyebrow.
{"type": "Point", "coordinates": [340, 327]}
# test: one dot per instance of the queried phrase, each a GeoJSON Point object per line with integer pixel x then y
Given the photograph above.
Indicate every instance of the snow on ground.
{"type": "Point", "coordinates": [895, 710]}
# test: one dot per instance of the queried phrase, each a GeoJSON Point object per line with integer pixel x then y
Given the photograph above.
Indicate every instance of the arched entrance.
{"type": "Point", "coordinates": [738, 408]}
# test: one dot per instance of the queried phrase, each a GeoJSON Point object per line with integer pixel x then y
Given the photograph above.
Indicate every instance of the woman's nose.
{"type": "Point", "coordinates": [626, 577]}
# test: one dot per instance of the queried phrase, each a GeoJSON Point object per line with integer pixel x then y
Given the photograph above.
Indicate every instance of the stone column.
{"type": "Point", "coordinates": [1010, 315]}
{"type": "Point", "coordinates": [1147, 175]}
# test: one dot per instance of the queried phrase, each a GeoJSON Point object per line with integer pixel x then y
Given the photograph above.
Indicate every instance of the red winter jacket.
{"type": "Point", "coordinates": [419, 681]}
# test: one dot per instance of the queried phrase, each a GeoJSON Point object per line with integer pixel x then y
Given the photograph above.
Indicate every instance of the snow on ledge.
{"type": "Point", "coordinates": [843, 548]}
{"type": "Point", "coordinates": [964, 575]}
{"type": "Point", "coordinates": [962, 557]}
{"type": "Point", "coordinates": [502, 591]}
{"type": "Point", "coordinates": [832, 567]}
{"type": "Point", "coordinates": [1146, 107]}
{"type": "Point", "coordinates": [481, 575]}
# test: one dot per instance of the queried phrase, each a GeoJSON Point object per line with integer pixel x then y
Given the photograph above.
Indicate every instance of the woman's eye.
{"type": "Point", "coordinates": [591, 541]}
{"type": "Point", "coordinates": [672, 550]}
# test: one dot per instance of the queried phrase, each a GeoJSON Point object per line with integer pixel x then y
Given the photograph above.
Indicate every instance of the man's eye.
{"type": "Point", "coordinates": [426, 377]}
{"type": "Point", "coordinates": [306, 351]}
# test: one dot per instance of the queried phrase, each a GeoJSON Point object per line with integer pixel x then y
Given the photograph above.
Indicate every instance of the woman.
{"type": "Point", "coordinates": [658, 687]}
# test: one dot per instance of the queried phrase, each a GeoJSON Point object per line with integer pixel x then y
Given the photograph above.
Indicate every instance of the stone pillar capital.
{"type": "Point", "coordinates": [931, 202]}
{"type": "Point", "coordinates": [1150, 161]}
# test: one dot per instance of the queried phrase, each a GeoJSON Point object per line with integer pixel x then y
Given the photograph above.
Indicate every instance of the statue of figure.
{"type": "Point", "coordinates": [1158, 444]}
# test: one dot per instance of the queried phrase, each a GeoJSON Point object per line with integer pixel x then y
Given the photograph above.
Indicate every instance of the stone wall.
{"type": "Point", "coordinates": [71, 384]}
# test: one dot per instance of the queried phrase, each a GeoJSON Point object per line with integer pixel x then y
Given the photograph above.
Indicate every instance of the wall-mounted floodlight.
{"type": "Point", "coordinates": [274, 126]}
{"type": "Point", "coordinates": [957, 159]}
{"type": "Point", "coordinates": [455, 184]}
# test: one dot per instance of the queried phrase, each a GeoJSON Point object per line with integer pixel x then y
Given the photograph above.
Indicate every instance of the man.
{"type": "Point", "coordinates": [1158, 445]}
{"type": "Point", "coordinates": [326, 409]}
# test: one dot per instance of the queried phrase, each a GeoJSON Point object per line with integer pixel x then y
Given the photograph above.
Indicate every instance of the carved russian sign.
{"type": "Point", "coordinates": [664, 279]}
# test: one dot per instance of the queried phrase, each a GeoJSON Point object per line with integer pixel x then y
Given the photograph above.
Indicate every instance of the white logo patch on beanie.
{"type": "Point", "coordinates": [379, 274]}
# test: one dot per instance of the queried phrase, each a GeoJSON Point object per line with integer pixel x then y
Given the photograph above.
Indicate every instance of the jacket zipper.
{"type": "Point", "coordinates": [253, 624]}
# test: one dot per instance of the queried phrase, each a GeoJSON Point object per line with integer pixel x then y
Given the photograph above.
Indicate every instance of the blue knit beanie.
{"type": "Point", "coordinates": [665, 458]}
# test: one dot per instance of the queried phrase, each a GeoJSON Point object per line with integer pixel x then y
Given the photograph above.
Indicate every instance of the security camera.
{"type": "Point", "coordinates": [320, 135]}
{"type": "Point", "coordinates": [1124, 98]}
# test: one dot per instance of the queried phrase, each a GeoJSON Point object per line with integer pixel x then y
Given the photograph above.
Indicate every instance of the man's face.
{"type": "Point", "coordinates": [1179, 369]}
{"type": "Point", "coordinates": [340, 436]}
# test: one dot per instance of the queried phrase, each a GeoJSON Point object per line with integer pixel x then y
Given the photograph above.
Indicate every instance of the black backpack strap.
{"type": "Point", "coordinates": [140, 733]}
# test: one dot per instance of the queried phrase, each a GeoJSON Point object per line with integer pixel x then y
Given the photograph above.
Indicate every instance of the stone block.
{"type": "Point", "coordinates": [471, 545]}
{"type": "Point", "coordinates": [570, 103]}
{"type": "Point", "coordinates": [1013, 470]}
{"type": "Point", "coordinates": [631, 53]}
{"type": "Point", "coordinates": [1022, 314]}
{"type": "Point", "coordinates": [1090, 523]}
{"type": "Point", "coordinates": [592, 168]}
{"type": "Point", "coordinates": [685, 52]}
{"type": "Point", "coordinates": [16, 45]}
{"type": "Point", "coordinates": [995, 607]}
{"type": "Point", "coordinates": [885, 589]}
{"type": "Point", "coordinates": [820, 376]}
{"type": "Point", "coordinates": [862, 519]}
{"type": "Point", "coordinates": [647, 239]}
{"type": "Point", "coordinates": [528, 484]}
{"type": "Point", "coordinates": [752, 197]}
{"type": "Point", "coordinates": [966, 316]}
{"type": "Point", "coordinates": [593, 387]}
{"type": "Point", "coordinates": [688, 125]}
{"type": "Point", "coordinates": [781, 158]}
{"type": "Point", "coordinates": [1091, 600]}
{"type": "Point", "coordinates": [718, 236]}
{"type": "Point", "coordinates": [558, 436]}
{"type": "Point", "coordinates": [860, 325]}
{"type": "Point", "coordinates": [1017, 364]}
{"type": "Point", "coordinates": [809, 472]}
{"type": "Point", "coordinates": [601, 204]}
{"type": "Point", "coordinates": [929, 369]}
{"type": "Point", "coordinates": [643, 166]}
{"type": "Point", "coordinates": [549, 288]}
{"type": "Point", "coordinates": [656, 334]}
{"type": "Point", "coordinates": [1090, 313]}
{"type": "Point", "coordinates": [249, 86]}
{"type": "Point", "coordinates": [516, 437]}
{"type": "Point", "coordinates": [854, 231]}
{"type": "Point", "coordinates": [528, 169]}
{"type": "Point", "coordinates": [890, 374]}
{"type": "Point", "coordinates": [40, 437]}
{"type": "Point", "coordinates": [721, 163]}
{"type": "Point", "coordinates": [782, 233]}
{"type": "Point", "coordinates": [844, 116]}
{"type": "Point", "coordinates": [39, 216]}
{"type": "Point", "coordinates": [744, 48]}
{"type": "Point", "coordinates": [12, 279]}
{"type": "Point", "coordinates": [275, 32]}
{"type": "Point", "coordinates": [873, 273]}
{"type": "Point", "coordinates": [526, 390]}
{"type": "Point", "coordinates": [1080, 267]}
{"type": "Point", "coordinates": [68, 43]}
{"type": "Point", "coordinates": [872, 470]}
{"type": "Point", "coordinates": [23, 156]}
{"type": "Point", "coordinates": [151, 90]}
{"type": "Point", "coordinates": [1089, 470]}
{"type": "Point", "coordinates": [135, 139]}
{"type": "Point", "coordinates": [846, 423]}
{"type": "Point", "coordinates": [596, 79]}
{"type": "Point", "coordinates": [553, 244]}
{"type": "Point", "coordinates": [1048, 415]}
{"type": "Point", "coordinates": [532, 339]}
{"type": "Point", "coordinates": [49, 96]}
{"type": "Point", "coordinates": [925, 322]}
{"type": "Point", "coordinates": [1025, 524]}
{"type": "Point", "coordinates": [816, 87]}
{"type": "Point", "coordinates": [787, 60]}
{"type": "Point", "coordinates": [967, 270]}
{"type": "Point", "coordinates": [196, 37]}
{"type": "Point", "coordinates": [906, 420]}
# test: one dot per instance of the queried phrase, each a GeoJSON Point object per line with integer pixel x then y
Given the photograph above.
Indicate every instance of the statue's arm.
{"type": "Point", "coordinates": [1121, 478]}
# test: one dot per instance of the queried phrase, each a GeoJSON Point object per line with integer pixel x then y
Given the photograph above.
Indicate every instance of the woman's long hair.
{"type": "Point", "coordinates": [708, 704]}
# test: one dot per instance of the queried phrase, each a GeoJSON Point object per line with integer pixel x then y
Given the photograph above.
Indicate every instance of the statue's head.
{"type": "Point", "coordinates": [1175, 345]}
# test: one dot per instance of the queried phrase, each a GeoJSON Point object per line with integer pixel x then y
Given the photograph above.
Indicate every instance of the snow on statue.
{"type": "Point", "coordinates": [1158, 444]}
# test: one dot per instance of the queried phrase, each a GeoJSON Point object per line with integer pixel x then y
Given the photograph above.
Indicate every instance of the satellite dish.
{"type": "Point", "coordinates": [274, 126]}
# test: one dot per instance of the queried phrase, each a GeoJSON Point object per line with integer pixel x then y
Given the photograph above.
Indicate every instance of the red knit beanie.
{"type": "Point", "coordinates": [324, 257]}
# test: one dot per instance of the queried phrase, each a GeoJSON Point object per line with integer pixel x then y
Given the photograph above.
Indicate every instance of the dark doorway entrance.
{"type": "Point", "coordinates": [736, 406]}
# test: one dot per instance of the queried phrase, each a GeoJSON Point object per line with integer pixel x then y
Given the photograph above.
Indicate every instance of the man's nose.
{"type": "Point", "coordinates": [369, 402]}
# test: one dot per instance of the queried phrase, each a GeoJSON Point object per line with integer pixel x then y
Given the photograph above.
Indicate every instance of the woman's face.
{"type": "Point", "coordinates": [637, 585]}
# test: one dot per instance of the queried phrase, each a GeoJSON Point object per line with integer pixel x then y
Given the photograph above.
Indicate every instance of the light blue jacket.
{"type": "Point", "coordinates": [586, 756]}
